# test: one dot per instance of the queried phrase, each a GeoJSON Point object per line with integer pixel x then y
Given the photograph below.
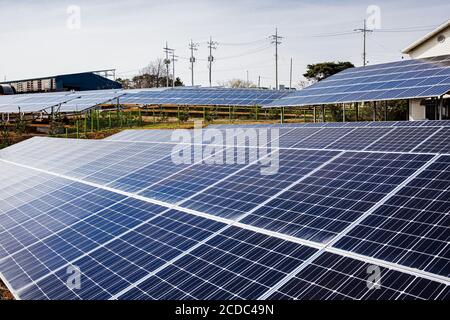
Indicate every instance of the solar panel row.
{"type": "Point", "coordinates": [139, 226]}
{"type": "Point", "coordinates": [390, 81]}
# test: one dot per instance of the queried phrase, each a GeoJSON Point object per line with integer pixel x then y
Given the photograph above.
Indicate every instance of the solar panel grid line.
{"type": "Point", "coordinates": [389, 265]}
{"type": "Point", "coordinates": [383, 200]}
{"type": "Point", "coordinates": [361, 218]}
{"type": "Point", "coordinates": [413, 224]}
{"type": "Point", "coordinates": [179, 203]}
{"type": "Point", "coordinates": [338, 277]}
{"type": "Point", "coordinates": [379, 138]}
{"type": "Point", "coordinates": [135, 284]}
{"type": "Point", "coordinates": [430, 137]}
{"type": "Point", "coordinates": [340, 137]}
{"type": "Point", "coordinates": [360, 139]}
{"type": "Point", "coordinates": [71, 225]}
{"type": "Point", "coordinates": [410, 138]}
{"type": "Point", "coordinates": [103, 245]}
{"type": "Point", "coordinates": [97, 247]}
{"type": "Point", "coordinates": [289, 276]}
{"type": "Point", "coordinates": [212, 263]}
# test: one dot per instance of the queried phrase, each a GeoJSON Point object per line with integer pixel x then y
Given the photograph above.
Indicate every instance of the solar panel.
{"type": "Point", "coordinates": [411, 228]}
{"type": "Point", "coordinates": [389, 81]}
{"type": "Point", "coordinates": [140, 227]}
{"type": "Point", "coordinates": [335, 277]}
{"type": "Point", "coordinates": [402, 139]}
{"type": "Point", "coordinates": [235, 264]}
{"type": "Point", "coordinates": [205, 96]}
{"type": "Point", "coordinates": [322, 205]}
{"type": "Point", "coordinates": [240, 193]}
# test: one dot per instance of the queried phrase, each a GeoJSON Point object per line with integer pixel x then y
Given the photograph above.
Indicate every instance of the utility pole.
{"type": "Point", "coordinates": [173, 67]}
{"type": "Point", "coordinates": [167, 61]}
{"type": "Point", "coordinates": [276, 40]}
{"type": "Point", "coordinates": [364, 31]}
{"type": "Point", "coordinates": [259, 82]}
{"type": "Point", "coordinates": [290, 76]}
{"type": "Point", "coordinates": [211, 45]}
{"type": "Point", "coordinates": [193, 47]}
{"type": "Point", "coordinates": [248, 83]}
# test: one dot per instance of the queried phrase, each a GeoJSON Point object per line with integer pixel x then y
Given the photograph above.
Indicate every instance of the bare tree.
{"type": "Point", "coordinates": [237, 83]}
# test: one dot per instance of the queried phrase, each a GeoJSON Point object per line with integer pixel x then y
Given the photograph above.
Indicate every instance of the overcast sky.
{"type": "Point", "coordinates": [35, 39]}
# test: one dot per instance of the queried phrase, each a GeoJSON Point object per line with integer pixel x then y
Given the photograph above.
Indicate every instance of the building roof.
{"type": "Point", "coordinates": [426, 37]}
{"type": "Point", "coordinates": [54, 76]}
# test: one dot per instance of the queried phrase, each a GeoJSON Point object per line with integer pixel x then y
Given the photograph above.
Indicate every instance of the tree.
{"type": "Point", "coordinates": [237, 83]}
{"type": "Point", "coordinates": [154, 75]}
{"type": "Point", "coordinates": [178, 82]}
{"type": "Point", "coordinates": [323, 70]}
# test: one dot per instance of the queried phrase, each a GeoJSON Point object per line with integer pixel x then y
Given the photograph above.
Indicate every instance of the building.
{"type": "Point", "coordinates": [93, 80]}
{"type": "Point", "coordinates": [435, 43]}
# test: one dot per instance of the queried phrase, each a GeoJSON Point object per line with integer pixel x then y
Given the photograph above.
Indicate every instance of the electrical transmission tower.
{"type": "Point", "coordinates": [276, 41]}
{"type": "Point", "coordinates": [364, 32]}
{"type": "Point", "coordinates": [167, 61]}
{"type": "Point", "coordinates": [211, 45]}
{"type": "Point", "coordinates": [193, 47]}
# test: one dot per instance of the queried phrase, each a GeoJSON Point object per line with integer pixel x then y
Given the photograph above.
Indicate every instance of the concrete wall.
{"type": "Point", "coordinates": [416, 111]}
{"type": "Point", "coordinates": [432, 47]}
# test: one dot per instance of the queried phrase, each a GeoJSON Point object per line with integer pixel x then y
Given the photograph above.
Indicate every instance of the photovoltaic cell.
{"type": "Point", "coordinates": [325, 203]}
{"type": "Point", "coordinates": [111, 264]}
{"type": "Point", "coordinates": [334, 277]}
{"type": "Point", "coordinates": [402, 139]}
{"type": "Point", "coordinates": [412, 227]}
{"type": "Point", "coordinates": [242, 192]}
{"type": "Point", "coordinates": [237, 264]}
{"type": "Point", "coordinates": [359, 139]}
{"type": "Point", "coordinates": [439, 142]}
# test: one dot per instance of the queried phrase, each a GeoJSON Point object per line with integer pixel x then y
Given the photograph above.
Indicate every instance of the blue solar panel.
{"type": "Point", "coordinates": [236, 264]}
{"type": "Point", "coordinates": [205, 96]}
{"type": "Point", "coordinates": [402, 139]}
{"type": "Point", "coordinates": [325, 203]}
{"type": "Point", "coordinates": [439, 142]}
{"type": "Point", "coordinates": [228, 231]}
{"type": "Point", "coordinates": [335, 277]}
{"type": "Point", "coordinates": [411, 228]}
{"type": "Point", "coordinates": [242, 192]}
{"type": "Point", "coordinates": [389, 81]}
{"type": "Point", "coordinates": [360, 138]}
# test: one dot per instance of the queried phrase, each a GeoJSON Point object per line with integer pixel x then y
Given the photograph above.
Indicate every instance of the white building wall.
{"type": "Point", "coordinates": [432, 47]}
{"type": "Point", "coordinates": [416, 111]}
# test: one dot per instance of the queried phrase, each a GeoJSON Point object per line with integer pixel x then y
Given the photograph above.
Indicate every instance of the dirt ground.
{"type": "Point", "coordinates": [4, 292]}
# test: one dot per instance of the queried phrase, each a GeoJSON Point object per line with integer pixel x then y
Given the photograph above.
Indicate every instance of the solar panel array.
{"type": "Point", "coordinates": [69, 101]}
{"type": "Point", "coordinates": [206, 97]}
{"type": "Point", "coordinates": [404, 79]}
{"type": "Point", "coordinates": [80, 101]}
{"type": "Point", "coordinates": [139, 226]}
